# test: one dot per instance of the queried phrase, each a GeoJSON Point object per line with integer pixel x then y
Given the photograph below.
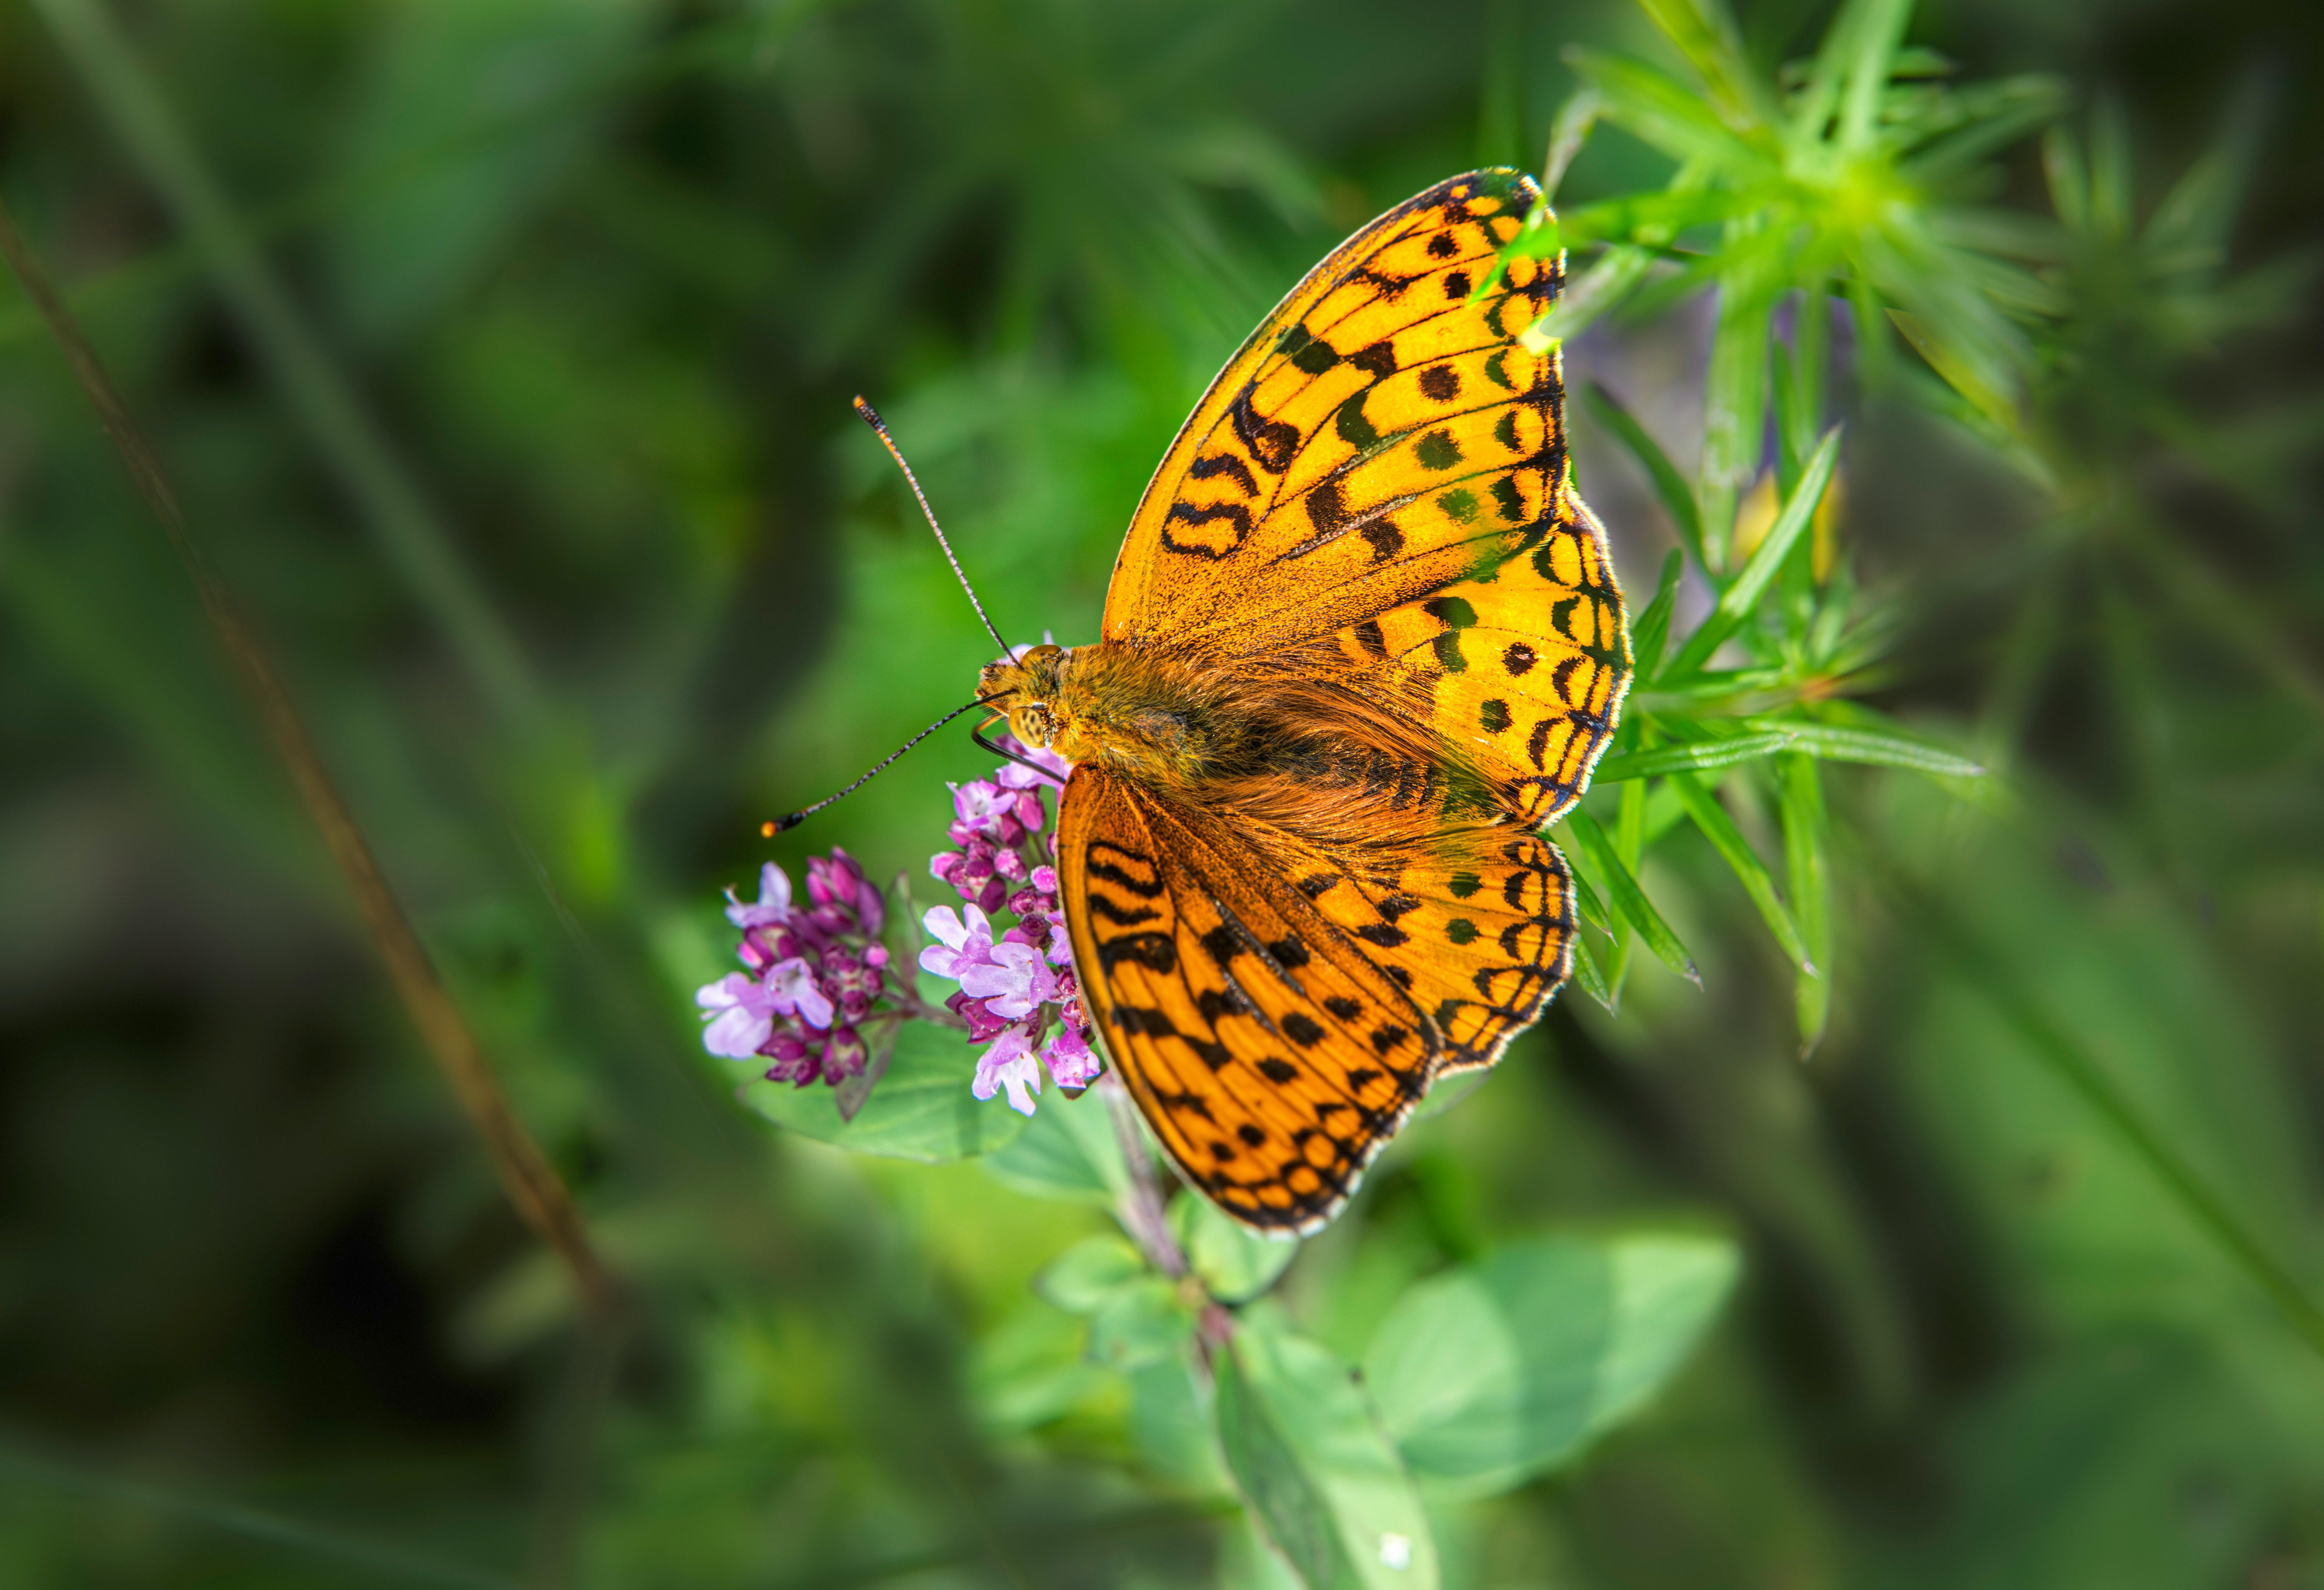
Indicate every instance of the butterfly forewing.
{"type": "Point", "coordinates": [1379, 438]}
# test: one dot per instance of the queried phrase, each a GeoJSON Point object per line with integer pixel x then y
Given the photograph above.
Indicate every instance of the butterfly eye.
{"type": "Point", "coordinates": [1033, 724]}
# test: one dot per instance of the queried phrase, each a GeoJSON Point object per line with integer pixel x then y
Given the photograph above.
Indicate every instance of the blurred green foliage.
{"type": "Point", "coordinates": [501, 352]}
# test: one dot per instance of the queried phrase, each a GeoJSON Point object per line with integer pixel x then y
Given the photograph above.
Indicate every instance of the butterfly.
{"type": "Point", "coordinates": [1363, 643]}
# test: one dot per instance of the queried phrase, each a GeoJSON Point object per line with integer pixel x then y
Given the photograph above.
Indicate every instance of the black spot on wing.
{"type": "Point", "coordinates": [1211, 466]}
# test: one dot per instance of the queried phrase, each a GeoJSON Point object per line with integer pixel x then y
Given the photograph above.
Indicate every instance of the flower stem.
{"type": "Point", "coordinates": [1140, 1207]}
{"type": "Point", "coordinates": [2082, 1072]}
{"type": "Point", "coordinates": [532, 1184]}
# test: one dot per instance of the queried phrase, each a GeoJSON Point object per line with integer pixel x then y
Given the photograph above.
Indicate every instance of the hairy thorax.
{"type": "Point", "coordinates": [1140, 713]}
{"type": "Point", "coordinates": [1269, 742]}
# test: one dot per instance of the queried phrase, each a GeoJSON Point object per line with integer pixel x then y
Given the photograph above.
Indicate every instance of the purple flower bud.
{"type": "Point", "coordinates": [794, 1062]}
{"type": "Point", "coordinates": [982, 1024]}
{"type": "Point", "coordinates": [1009, 865]}
{"type": "Point", "coordinates": [844, 1055]}
{"type": "Point", "coordinates": [991, 897]}
{"type": "Point", "coordinates": [1044, 878]}
{"type": "Point", "coordinates": [1029, 812]}
{"type": "Point", "coordinates": [835, 881]}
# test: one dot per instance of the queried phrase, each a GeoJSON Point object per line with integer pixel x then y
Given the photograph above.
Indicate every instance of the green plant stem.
{"type": "Point", "coordinates": [164, 266]}
{"type": "Point", "coordinates": [380, 1558]}
{"type": "Point", "coordinates": [532, 1185]}
{"type": "Point", "coordinates": [2081, 1071]}
{"type": "Point", "coordinates": [415, 543]}
{"type": "Point", "coordinates": [1140, 1207]}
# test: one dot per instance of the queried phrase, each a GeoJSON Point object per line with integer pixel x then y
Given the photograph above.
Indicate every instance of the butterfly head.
{"type": "Point", "coordinates": [1027, 689]}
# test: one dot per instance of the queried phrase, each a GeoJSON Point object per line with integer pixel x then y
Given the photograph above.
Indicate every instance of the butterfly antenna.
{"type": "Point", "coordinates": [782, 823]}
{"type": "Point", "coordinates": [880, 429]}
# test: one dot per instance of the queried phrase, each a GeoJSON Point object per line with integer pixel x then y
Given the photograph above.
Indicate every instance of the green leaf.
{"type": "Point", "coordinates": [1539, 238]}
{"type": "Point", "coordinates": [1961, 372]}
{"type": "Point", "coordinates": [1566, 136]}
{"type": "Point", "coordinates": [1595, 292]}
{"type": "Point", "coordinates": [1652, 627]}
{"type": "Point", "coordinates": [1031, 1369]}
{"type": "Point", "coordinates": [1692, 756]}
{"type": "Point", "coordinates": [921, 1111]}
{"type": "Point", "coordinates": [1628, 897]}
{"type": "Point", "coordinates": [1511, 1366]}
{"type": "Point", "coordinates": [1083, 1278]}
{"type": "Point", "coordinates": [1322, 1480]}
{"type": "Point", "coordinates": [850, 1096]}
{"type": "Point", "coordinates": [1670, 485]}
{"type": "Point", "coordinates": [1171, 1426]}
{"type": "Point", "coordinates": [1067, 1151]}
{"type": "Point", "coordinates": [1669, 115]}
{"type": "Point", "coordinates": [1587, 898]}
{"type": "Point", "coordinates": [1881, 748]}
{"type": "Point", "coordinates": [1754, 271]}
{"type": "Point", "coordinates": [2199, 210]}
{"type": "Point", "coordinates": [1807, 846]}
{"type": "Point", "coordinates": [1235, 1263]}
{"type": "Point", "coordinates": [1657, 217]}
{"type": "Point", "coordinates": [1874, 29]}
{"type": "Point", "coordinates": [1143, 1322]}
{"type": "Point", "coordinates": [1736, 603]}
{"type": "Point", "coordinates": [1592, 981]}
{"type": "Point", "coordinates": [1705, 34]}
{"type": "Point", "coordinates": [1719, 828]}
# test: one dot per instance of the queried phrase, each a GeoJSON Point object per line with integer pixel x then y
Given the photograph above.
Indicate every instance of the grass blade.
{"type": "Point", "coordinates": [1807, 855]}
{"type": "Point", "coordinates": [1879, 28]}
{"type": "Point", "coordinates": [1705, 33]}
{"type": "Point", "coordinates": [1734, 603]}
{"type": "Point", "coordinates": [373, 1557]}
{"type": "Point", "coordinates": [1693, 756]}
{"type": "Point", "coordinates": [1652, 628]}
{"type": "Point", "coordinates": [1876, 748]}
{"type": "Point", "coordinates": [2081, 1070]}
{"type": "Point", "coordinates": [532, 1184]}
{"type": "Point", "coordinates": [1707, 816]}
{"type": "Point", "coordinates": [1622, 888]}
{"type": "Point", "coordinates": [1735, 391]}
{"type": "Point", "coordinates": [1575, 118]}
{"type": "Point", "coordinates": [1586, 900]}
{"type": "Point", "coordinates": [1592, 981]}
{"type": "Point", "coordinates": [413, 540]}
{"type": "Point", "coordinates": [1670, 485]}
{"type": "Point", "coordinates": [1597, 292]}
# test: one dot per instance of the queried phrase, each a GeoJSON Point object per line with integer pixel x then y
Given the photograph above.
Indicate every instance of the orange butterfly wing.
{"type": "Point", "coordinates": [1277, 1011]}
{"type": "Point", "coordinates": [1377, 438]}
{"type": "Point", "coordinates": [1271, 1056]}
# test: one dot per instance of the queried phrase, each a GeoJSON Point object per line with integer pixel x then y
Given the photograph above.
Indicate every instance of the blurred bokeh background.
{"type": "Point", "coordinates": [501, 350]}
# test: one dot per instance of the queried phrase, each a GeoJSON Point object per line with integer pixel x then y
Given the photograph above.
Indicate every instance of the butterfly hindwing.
{"type": "Point", "coordinates": [1271, 1055]}
{"type": "Point", "coordinates": [1474, 923]}
{"type": "Point", "coordinates": [1379, 438]}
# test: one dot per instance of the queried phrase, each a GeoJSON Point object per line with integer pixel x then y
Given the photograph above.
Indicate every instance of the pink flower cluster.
{"type": "Point", "coordinates": [815, 972]}
{"type": "Point", "coordinates": [1016, 985]}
